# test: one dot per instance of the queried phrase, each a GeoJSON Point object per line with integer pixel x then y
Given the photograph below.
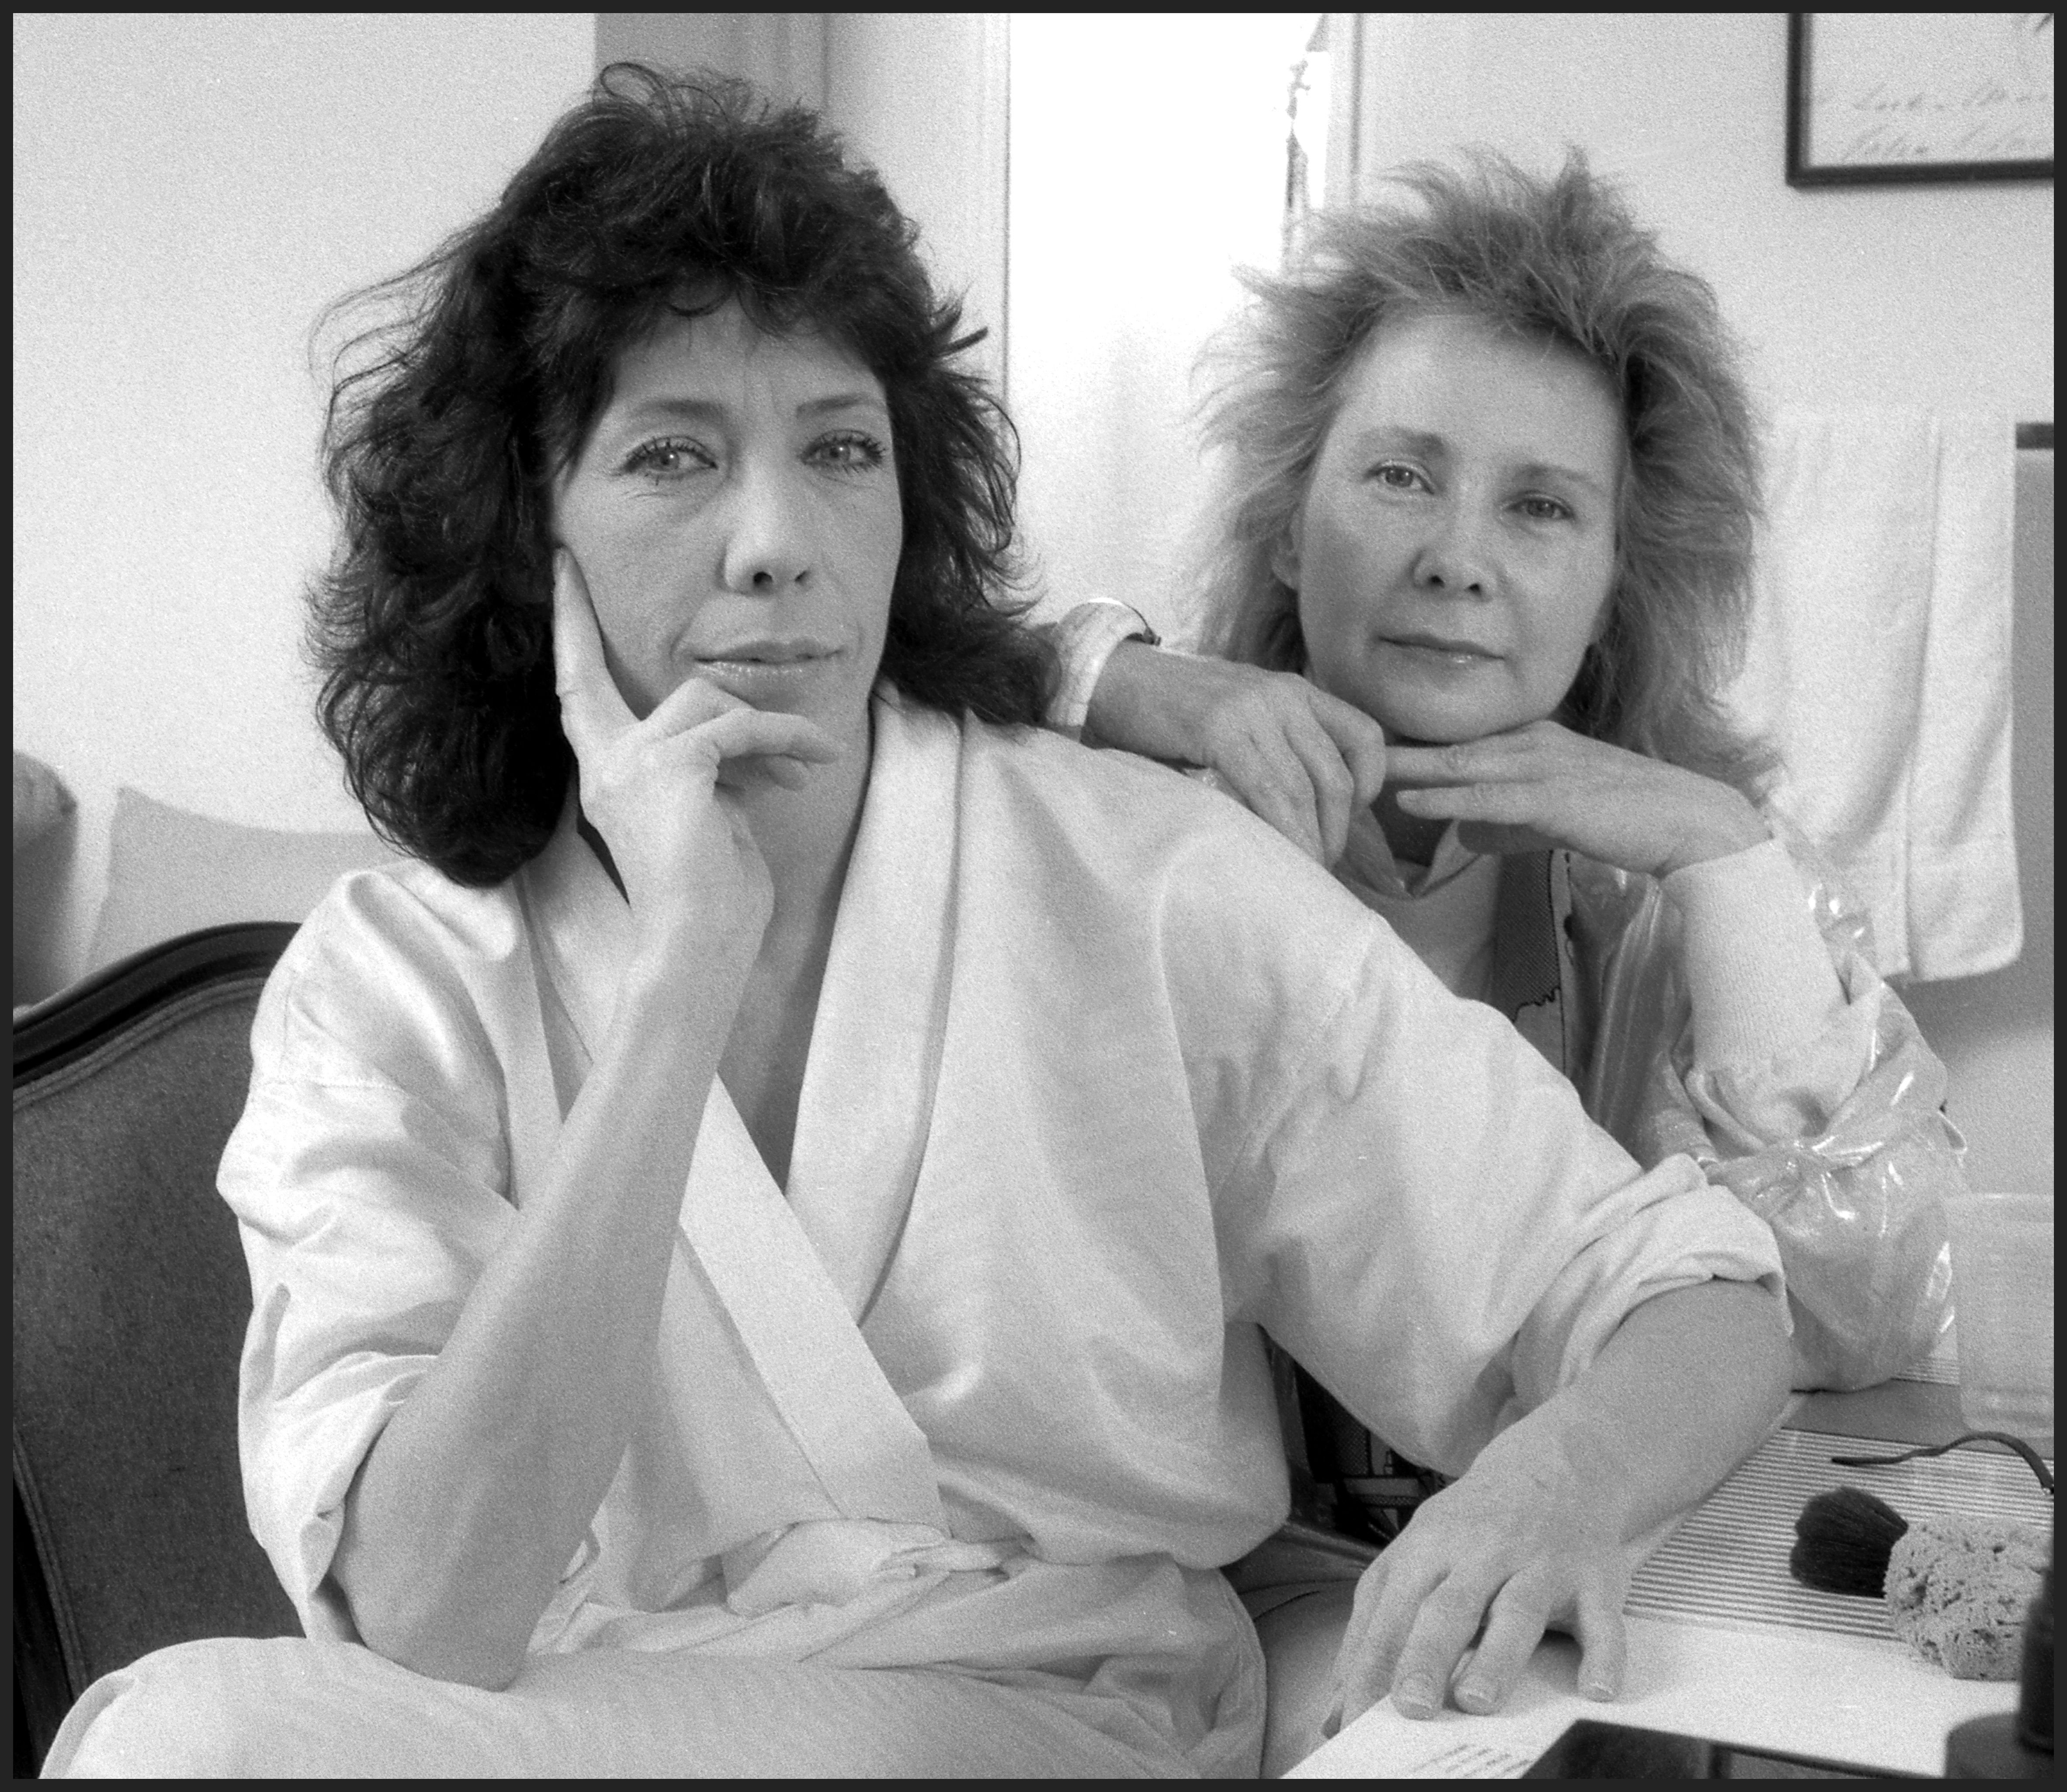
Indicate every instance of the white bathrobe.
{"type": "Point", "coordinates": [1105, 1079]}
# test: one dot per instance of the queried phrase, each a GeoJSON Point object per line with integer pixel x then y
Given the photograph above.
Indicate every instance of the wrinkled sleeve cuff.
{"type": "Point", "coordinates": [1083, 641]}
{"type": "Point", "coordinates": [296, 1483]}
{"type": "Point", "coordinates": [1685, 1232]}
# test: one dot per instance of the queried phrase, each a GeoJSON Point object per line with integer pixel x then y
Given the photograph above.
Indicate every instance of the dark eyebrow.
{"type": "Point", "coordinates": [1421, 441]}
{"type": "Point", "coordinates": [843, 401]}
{"type": "Point", "coordinates": [1550, 469]}
{"type": "Point", "coordinates": [706, 410]}
{"type": "Point", "coordinates": [690, 410]}
{"type": "Point", "coordinates": [1418, 441]}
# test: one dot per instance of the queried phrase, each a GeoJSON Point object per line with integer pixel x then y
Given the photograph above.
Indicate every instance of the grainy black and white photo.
{"type": "Point", "coordinates": [978, 895]}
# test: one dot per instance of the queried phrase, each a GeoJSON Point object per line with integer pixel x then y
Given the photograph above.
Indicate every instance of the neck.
{"type": "Point", "coordinates": [807, 836]}
{"type": "Point", "coordinates": [1413, 839]}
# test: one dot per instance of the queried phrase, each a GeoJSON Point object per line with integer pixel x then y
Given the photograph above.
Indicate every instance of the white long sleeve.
{"type": "Point", "coordinates": [1758, 973]}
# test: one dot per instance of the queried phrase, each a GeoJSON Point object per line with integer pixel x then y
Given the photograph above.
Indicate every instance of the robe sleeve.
{"type": "Point", "coordinates": [1411, 1201]}
{"type": "Point", "coordinates": [1838, 1141]}
{"type": "Point", "coordinates": [368, 1175]}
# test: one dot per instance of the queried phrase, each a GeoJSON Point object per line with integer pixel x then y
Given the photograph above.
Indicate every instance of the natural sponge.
{"type": "Point", "coordinates": [1958, 1590]}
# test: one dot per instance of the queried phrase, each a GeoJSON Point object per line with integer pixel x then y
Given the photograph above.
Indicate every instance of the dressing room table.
{"type": "Point", "coordinates": [1724, 1644]}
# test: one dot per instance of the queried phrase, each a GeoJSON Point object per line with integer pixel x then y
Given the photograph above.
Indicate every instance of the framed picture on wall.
{"type": "Point", "coordinates": [1904, 99]}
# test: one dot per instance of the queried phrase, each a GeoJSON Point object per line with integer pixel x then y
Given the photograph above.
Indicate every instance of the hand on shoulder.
{"type": "Point", "coordinates": [1305, 762]}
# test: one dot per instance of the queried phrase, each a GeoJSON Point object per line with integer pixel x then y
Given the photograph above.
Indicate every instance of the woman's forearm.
{"type": "Point", "coordinates": [1689, 1384]}
{"type": "Point", "coordinates": [467, 1510]}
{"type": "Point", "coordinates": [1538, 1533]}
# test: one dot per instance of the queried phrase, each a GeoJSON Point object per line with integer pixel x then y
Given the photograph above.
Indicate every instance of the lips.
{"type": "Point", "coordinates": [1438, 644]}
{"type": "Point", "coordinates": [768, 653]}
{"type": "Point", "coordinates": [779, 675]}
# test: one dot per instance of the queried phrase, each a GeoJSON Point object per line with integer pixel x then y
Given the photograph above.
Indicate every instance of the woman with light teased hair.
{"type": "Point", "coordinates": [1476, 568]}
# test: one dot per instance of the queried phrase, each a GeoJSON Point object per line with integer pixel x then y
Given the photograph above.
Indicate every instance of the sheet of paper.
{"type": "Point", "coordinates": [1838, 1698]}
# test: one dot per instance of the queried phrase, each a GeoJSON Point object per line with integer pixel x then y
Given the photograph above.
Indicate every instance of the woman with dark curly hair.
{"type": "Point", "coordinates": [761, 1236]}
{"type": "Point", "coordinates": [434, 627]}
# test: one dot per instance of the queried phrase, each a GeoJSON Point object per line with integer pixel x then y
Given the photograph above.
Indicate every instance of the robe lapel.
{"type": "Point", "coordinates": [861, 1123]}
{"type": "Point", "coordinates": [583, 933]}
{"type": "Point", "coordinates": [866, 1449]}
{"type": "Point", "coordinates": [866, 1103]}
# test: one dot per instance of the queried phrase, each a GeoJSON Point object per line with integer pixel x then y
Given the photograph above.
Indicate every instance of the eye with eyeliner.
{"type": "Point", "coordinates": [864, 451]}
{"type": "Point", "coordinates": [842, 451]}
{"type": "Point", "coordinates": [646, 458]}
{"type": "Point", "coordinates": [1532, 507]}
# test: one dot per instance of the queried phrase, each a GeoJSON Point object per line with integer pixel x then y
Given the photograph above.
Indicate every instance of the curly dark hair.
{"type": "Point", "coordinates": [447, 422]}
{"type": "Point", "coordinates": [1557, 258]}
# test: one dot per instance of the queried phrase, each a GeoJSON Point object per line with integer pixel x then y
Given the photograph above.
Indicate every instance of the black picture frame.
{"type": "Point", "coordinates": [1847, 128]}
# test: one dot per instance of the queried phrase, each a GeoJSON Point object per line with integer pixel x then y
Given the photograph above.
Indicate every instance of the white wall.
{"type": "Point", "coordinates": [1147, 161]}
{"type": "Point", "coordinates": [781, 54]}
{"type": "Point", "coordinates": [923, 96]}
{"type": "Point", "coordinates": [1929, 295]}
{"type": "Point", "coordinates": [190, 191]}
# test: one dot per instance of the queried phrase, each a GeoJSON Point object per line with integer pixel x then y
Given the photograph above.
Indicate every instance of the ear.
{"type": "Point", "coordinates": [1284, 553]}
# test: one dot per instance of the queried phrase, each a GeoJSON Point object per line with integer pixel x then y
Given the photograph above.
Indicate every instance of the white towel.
{"type": "Point", "coordinates": [1879, 666]}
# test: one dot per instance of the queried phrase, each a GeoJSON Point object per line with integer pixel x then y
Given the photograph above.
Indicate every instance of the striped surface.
{"type": "Point", "coordinates": [1941, 1366]}
{"type": "Point", "coordinates": [1727, 1563]}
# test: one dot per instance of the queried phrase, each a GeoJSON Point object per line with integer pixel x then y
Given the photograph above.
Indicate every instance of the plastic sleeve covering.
{"type": "Point", "coordinates": [1856, 1198]}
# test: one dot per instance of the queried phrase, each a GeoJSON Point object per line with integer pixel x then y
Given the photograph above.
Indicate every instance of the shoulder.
{"type": "Point", "coordinates": [388, 977]}
{"type": "Point", "coordinates": [1099, 786]}
{"type": "Point", "coordinates": [1160, 850]}
{"type": "Point", "coordinates": [1117, 805]}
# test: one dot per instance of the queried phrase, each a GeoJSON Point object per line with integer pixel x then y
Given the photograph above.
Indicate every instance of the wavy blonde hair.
{"type": "Point", "coordinates": [1558, 260]}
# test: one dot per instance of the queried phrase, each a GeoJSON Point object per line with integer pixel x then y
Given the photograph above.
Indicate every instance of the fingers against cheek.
{"type": "Point", "coordinates": [592, 709]}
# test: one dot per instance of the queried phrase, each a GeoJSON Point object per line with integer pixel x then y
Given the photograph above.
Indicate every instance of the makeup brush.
{"type": "Point", "coordinates": [1957, 1589]}
{"type": "Point", "coordinates": [1842, 1541]}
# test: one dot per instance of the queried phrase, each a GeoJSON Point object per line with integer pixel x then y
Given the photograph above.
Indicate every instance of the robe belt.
{"type": "Point", "coordinates": [832, 1560]}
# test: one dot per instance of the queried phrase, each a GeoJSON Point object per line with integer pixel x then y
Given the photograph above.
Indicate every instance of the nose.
{"type": "Point", "coordinates": [1456, 556]}
{"type": "Point", "coordinates": [768, 548]}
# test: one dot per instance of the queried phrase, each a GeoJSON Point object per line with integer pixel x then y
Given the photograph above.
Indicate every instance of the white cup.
{"type": "Point", "coordinates": [2002, 1292]}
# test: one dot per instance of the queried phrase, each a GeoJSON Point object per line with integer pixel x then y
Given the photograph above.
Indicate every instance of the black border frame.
{"type": "Point", "coordinates": [1800, 53]}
